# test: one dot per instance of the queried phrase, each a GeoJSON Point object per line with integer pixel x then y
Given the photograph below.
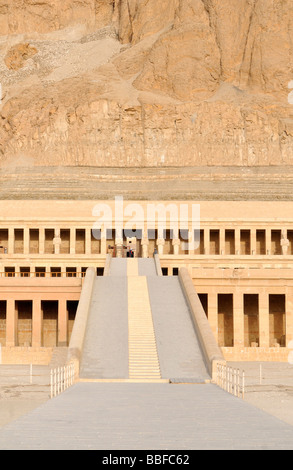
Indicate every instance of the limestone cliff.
{"type": "Point", "coordinates": [146, 82]}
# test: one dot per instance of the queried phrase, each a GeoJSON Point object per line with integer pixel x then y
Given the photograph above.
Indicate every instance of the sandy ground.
{"type": "Point", "coordinates": [269, 386]}
{"type": "Point", "coordinates": [20, 392]}
{"type": "Point", "coordinates": [277, 401]}
{"type": "Point", "coordinates": [16, 401]}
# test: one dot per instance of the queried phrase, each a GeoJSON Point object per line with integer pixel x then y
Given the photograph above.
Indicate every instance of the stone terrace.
{"type": "Point", "coordinates": [197, 183]}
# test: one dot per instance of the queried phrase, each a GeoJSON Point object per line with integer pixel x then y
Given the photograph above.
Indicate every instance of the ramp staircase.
{"type": "Point", "coordinates": [143, 354]}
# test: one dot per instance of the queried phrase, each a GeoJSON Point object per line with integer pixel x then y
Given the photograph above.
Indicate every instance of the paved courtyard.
{"type": "Point", "coordinates": [127, 416]}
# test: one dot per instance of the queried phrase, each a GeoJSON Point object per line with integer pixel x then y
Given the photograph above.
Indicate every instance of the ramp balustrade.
{"type": "Point", "coordinates": [231, 380]}
{"type": "Point", "coordinates": [61, 379]}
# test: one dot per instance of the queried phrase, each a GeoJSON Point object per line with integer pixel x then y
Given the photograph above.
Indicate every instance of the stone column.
{"type": "Point", "coordinates": [160, 244]}
{"type": "Point", "coordinates": [213, 313]}
{"type": "Point", "coordinates": [268, 241]}
{"type": "Point", "coordinates": [37, 323]}
{"type": "Point", "coordinates": [176, 245]}
{"type": "Point", "coordinates": [57, 242]}
{"type": "Point", "coordinates": [103, 244]}
{"type": "Point", "coordinates": [284, 242]}
{"type": "Point", "coordinates": [119, 247]}
{"type": "Point", "coordinates": [289, 317]}
{"type": "Point", "coordinates": [26, 241]}
{"type": "Point", "coordinates": [238, 319]}
{"type": "Point", "coordinates": [72, 241]}
{"type": "Point", "coordinates": [237, 242]}
{"type": "Point", "coordinates": [206, 241]}
{"type": "Point", "coordinates": [62, 323]}
{"type": "Point", "coordinates": [253, 241]}
{"type": "Point", "coordinates": [190, 242]}
{"type": "Point", "coordinates": [145, 247]}
{"type": "Point", "coordinates": [11, 323]}
{"type": "Point", "coordinates": [41, 241]}
{"type": "Point", "coordinates": [264, 320]}
{"type": "Point", "coordinates": [11, 241]}
{"type": "Point", "coordinates": [88, 241]}
{"type": "Point", "coordinates": [222, 241]}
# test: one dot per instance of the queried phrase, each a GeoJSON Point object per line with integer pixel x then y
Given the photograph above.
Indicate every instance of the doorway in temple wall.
{"type": "Point", "coordinates": [132, 244]}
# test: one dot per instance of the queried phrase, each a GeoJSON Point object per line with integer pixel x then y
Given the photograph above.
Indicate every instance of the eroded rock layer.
{"type": "Point", "coordinates": [142, 83]}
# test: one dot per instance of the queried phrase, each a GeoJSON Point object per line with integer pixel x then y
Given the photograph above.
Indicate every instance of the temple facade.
{"type": "Point", "coordinates": [240, 261]}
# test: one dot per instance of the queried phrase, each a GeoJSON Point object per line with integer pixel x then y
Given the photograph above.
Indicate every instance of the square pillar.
{"type": "Point", "coordinates": [190, 242]}
{"type": "Point", "coordinates": [206, 241]}
{"type": "Point", "coordinates": [238, 319]}
{"type": "Point", "coordinates": [253, 241]}
{"type": "Point", "coordinates": [88, 241]}
{"type": "Point", "coordinates": [264, 320]}
{"type": "Point", "coordinates": [72, 241]}
{"type": "Point", "coordinates": [160, 245]}
{"type": "Point", "coordinates": [176, 245]}
{"type": "Point", "coordinates": [11, 241]}
{"type": "Point", "coordinates": [62, 322]}
{"type": "Point", "coordinates": [37, 323]}
{"type": "Point", "coordinates": [26, 241]}
{"type": "Point", "coordinates": [237, 242]}
{"type": "Point", "coordinates": [41, 241]}
{"type": "Point", "coordinates": [213, 313]}
{"type": "Point", "coordinates": [11, 323]}
{"type": "Point", "coordinates": [222, 241]}
{"type": "Point", "coordinates": [57, 241]}
{"type": "Point", "coordinates": [145, 247]}
{"type": "Point", "coordinates": [268, 241]}
{"type": "Point", "coordinates": [103, 245]}
{"type": "Point", "coordinates": [289, 317]}
{"type": "Point", "coordinates": [285, 243]}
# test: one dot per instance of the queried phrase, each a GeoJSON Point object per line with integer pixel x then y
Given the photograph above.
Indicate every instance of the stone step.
{"type": "Point", "coordinates": [143, 355]}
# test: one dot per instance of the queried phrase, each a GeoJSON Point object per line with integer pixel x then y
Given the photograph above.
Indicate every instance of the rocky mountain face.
{"type": "Point", "coordinates": [146, 83]}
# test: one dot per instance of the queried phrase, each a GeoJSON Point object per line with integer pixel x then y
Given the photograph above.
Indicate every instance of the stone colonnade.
{"type": "Point", "coordinates": [219, 240]}
{"type": "Point", "coordinates": [38, 312]}
{"type": "Point", "coordinates": [36, 333]}
{"type": "Point", "coordinates": [261, 318]}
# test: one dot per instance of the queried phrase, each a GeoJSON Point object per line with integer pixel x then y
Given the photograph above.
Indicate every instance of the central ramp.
{"type": "Point", "coordinates": [139, 328]}
{"type": "Point", "coordinates": [179, 351]}
{"type": "Point", "coordinates": [105, 351]}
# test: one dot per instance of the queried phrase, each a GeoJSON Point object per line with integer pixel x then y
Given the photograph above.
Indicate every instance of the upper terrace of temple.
{"type": "Point", "coordinates": [216, 183]}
